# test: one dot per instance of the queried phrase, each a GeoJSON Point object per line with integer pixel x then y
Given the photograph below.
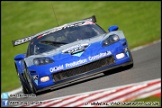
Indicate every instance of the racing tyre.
{"type": "Point", "coordinates": [29, 81]}
{"type": "Point", "coordinates": [21, 79]}
{"type": "Point", "coordinates": [24, 89]}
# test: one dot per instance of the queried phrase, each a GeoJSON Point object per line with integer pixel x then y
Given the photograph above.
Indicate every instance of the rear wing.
{"type": "Point", "coordinates": [92, 19]}
{"type": "Point", "coordinates": [22, 40]}
{"type": "Point", "coordinates": [28, 38]}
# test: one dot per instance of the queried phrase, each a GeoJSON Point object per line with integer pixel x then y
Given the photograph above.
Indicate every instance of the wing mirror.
{"type": "Point", "coordinates": [113, 28]}
{"type": "Point", "coordinates": [19, 57]}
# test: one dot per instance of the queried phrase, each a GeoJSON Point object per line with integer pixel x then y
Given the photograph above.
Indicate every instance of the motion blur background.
{"type": "Point", "coordinates": [140, 21]}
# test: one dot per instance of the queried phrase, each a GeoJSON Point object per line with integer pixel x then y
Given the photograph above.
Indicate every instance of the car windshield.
{"type": "Point", "coordinates": [53, 40]}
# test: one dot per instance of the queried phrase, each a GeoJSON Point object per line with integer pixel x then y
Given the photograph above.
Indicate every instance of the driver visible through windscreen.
{"type": "Point", "coordinates": [61, 37]}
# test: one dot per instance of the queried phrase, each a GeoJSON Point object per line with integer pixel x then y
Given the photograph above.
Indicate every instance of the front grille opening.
{"type": "Point", "coordinates": [82, 69]}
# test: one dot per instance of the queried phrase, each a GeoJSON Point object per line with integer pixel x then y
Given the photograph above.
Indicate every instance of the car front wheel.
{"type": "Point", "coordinates": [29, 81]}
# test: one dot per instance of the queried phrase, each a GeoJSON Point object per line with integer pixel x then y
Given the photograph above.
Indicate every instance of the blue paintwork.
{"type": "Point", "coordinates": [62, 59]}
{"type": "Point", "coordinates": [113, 28]}
{"type": "Point", "coordinates": [19, 57]}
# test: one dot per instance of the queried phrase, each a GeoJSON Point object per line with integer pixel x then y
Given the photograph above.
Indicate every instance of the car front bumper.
{"type": "Point", "coordinates": [86, 75]}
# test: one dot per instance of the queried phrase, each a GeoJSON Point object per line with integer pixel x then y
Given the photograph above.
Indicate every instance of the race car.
{"type": "Point", "coordinates": [70, 53]}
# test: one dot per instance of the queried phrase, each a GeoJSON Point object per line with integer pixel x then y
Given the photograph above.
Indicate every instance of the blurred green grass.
{"type": "Point", "coordinates": [140, 21]}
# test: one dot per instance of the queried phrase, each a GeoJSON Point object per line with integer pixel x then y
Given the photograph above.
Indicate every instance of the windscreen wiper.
{"type": "Point", "coordinates": [53, 42]}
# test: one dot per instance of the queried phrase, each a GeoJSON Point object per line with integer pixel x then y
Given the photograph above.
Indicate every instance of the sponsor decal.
{"type": "Point", "coordinates": [75, 49]}
{"type": "Point", "coordinates": [86, 23]}
{"type": "Point", "coordinates": [35, 78]}
{"type": "Point", "coordinates": [40, 36]}
{"type": "Point", "coordinates": [78, 54]}
{"type": "Point", "coordinates": [64, 27]}
{"type": "Point", "coordinates": [92, 58]}
{"type": "Point", "coordinates": [23, 40]}
{"type": "Point", "coordinates": [126, 51]}
{"type": "Point", "coordinates": [80, 62]}
{"type": "Point", "coordinates": [26, 39]}
{"type": "Point", "coordinates": [36, 82]}
{"type": "Point", "coordinates": [76, 63]}
{"type": "Point", "coordinates": [127, 54]}
{"type": "Point", "coordinates": [56, 68]}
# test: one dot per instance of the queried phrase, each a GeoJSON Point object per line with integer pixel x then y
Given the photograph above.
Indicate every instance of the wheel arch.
{"type": "Point", "coordinates": [19, 67]}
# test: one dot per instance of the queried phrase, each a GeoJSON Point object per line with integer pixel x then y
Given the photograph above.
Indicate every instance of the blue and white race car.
{"type": "Point", "coordinates": [70, 53]}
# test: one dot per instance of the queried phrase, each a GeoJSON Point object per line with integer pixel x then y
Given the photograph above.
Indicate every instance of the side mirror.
{"type": "Point", "coordinates": [19, 57]}
{"type": "Point", "coordinates": [113, 28]}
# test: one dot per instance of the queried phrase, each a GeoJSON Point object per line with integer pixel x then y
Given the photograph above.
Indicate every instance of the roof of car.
{"type": "Point", "coordinates": [28, 38]}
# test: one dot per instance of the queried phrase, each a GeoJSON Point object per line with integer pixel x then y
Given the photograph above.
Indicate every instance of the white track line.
{"type": "Point", "coordinates": [89, 98]}
{"type": "Point", "coordinates": [15, 91]}
{"type": "Point", "coordinates": [149, 91]}
{"type": "Point", "coordinates": [142, 88]}
{"type": "Point", "coordinates": [109, 90]}
{"type": "Point", "coordinates": [149, 94]}
{"type": "Point", "coordinates": [118, 94]}
{"type": "Point", "coordinates": [154, 80]}
{"type": "Point", "coordinates": [106, 94]}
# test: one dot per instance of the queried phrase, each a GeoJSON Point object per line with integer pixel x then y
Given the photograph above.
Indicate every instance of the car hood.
{"type": "Point", "coordinates": [89, 47]}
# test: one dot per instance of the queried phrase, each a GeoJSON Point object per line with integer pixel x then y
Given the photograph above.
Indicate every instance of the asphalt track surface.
{"type": "Point", "coordinates": [147, 66]}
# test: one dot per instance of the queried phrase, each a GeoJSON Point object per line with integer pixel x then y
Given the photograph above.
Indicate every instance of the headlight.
{"type": "Point", "coordinates": [119, 56]}
{"type": "Point", "coordinates": [111, 39]}
{"type": "Point", "coordinates": [44, 79]}
{"type": "Point", "coordinates": [42, 61]}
